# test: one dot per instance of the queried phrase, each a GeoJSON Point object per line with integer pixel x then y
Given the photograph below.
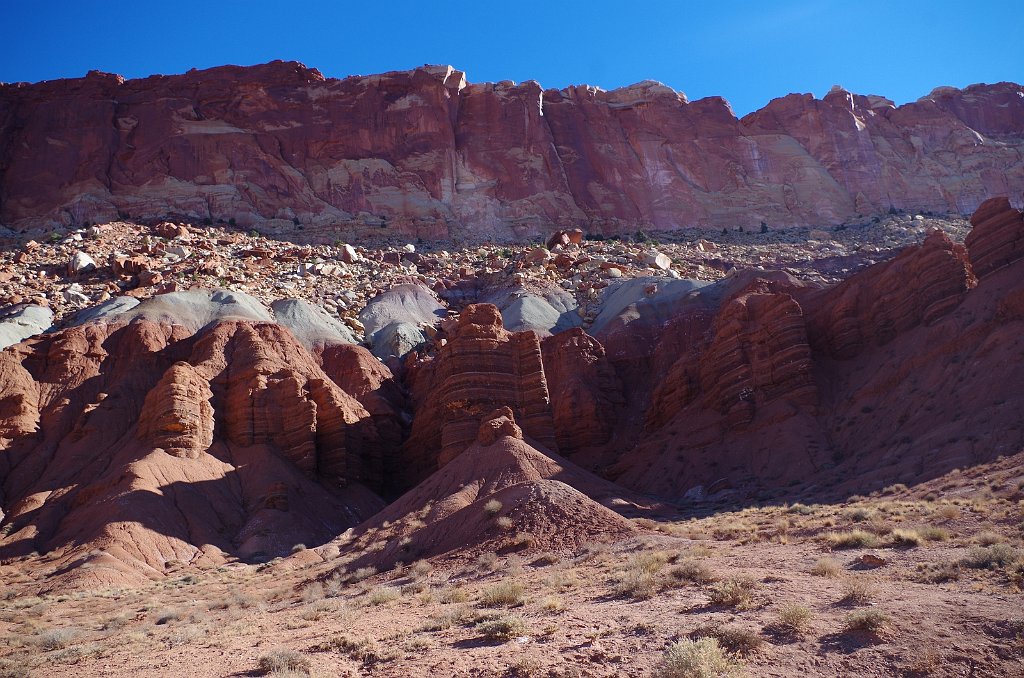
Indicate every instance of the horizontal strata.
{"type": "Point", "coordinates": [423, 153]}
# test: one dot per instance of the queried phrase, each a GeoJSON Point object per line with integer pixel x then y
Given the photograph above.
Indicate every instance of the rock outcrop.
{"type": "Point", "coordinates": [481, 368]}
{"type": "Point", "coordinates": [585, 392]}
{"type": "Point", "coordinates": [158, 442]}
{"type": "Point", "coordinates": [499, 477]}
{"type": "Point", "coordinates": [997, 238]}
{"type": "Point", "coordinates": [920, 285]}
{"type": "Point", "coordinates": [426, 154]}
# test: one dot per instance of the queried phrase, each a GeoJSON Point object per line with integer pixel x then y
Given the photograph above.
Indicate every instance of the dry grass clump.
{"type": "Point", "coordinates": [523, 540]}
{"type": "Point", "coordinates": [872, 621]}
{"type": "Point", "coordinates": [640, 577]}
{"type": "Point", "coordinates": [552, 603]}
{"type": "Point", "coordinates": [233, 600]}
{"type": "Point", "coordinates": [503, 628]}
{"type": "Point", "coordinates": [362, 649]}
{"type": "Point", "coordinates": [738, 593]}
{"type": "Point", "coordinates": [456, 616]}
{"type": "Point", "coordinates": [361, 574]}
{"type": "Point", "coordinates": [506, 593]}
{"type": "Point", "coordinates": [858, 514]}
{"type": "Point", "coordinates": [637, 584]}
{"type": "Point", "coordinates": [854, 539]}
{"type": "Point", "coordinates": [492, 507]}
{"type": "Point", "coordinates": [1015, 571]}
{"type": "Point", "coordinates": [55, 639]}
{"type": "Point", "coordinates": [504, 522]}
{"type": "Point", "coordinates": [167, 616]}
{"type": "Point", "coordinates": [420, 569]}
{"type": "Point", "coordinates": [282, 661]}
{"type": "Point", "coordinates": [827, 567]}
{"type": "Point", "coordinates": [487, 562]}
{"type": "Point", "coordinates": [938, 573]}
{"type": "Point", "coordinates": [383, 595]}
{"type": "Point", "coordinates": [932, 533]}
{"type": "Point", "coordinates": [690, 570]}
{"type": "Point", "coordinates": [547, 558]}
{"type": "Point", "coordinates": [562, 580]}
{"type": "Point", "coordinates": [990, 557]}
{"type": "Point", "coordinates": [801, 509]}
{"type": "Point", "coordinates": [453, 594]}
{"type": "Point", "coordinates": [735, 639]}
{"type": "Point", "coordinates": [857, 592]}
{"type": "Point", "coordinates": [9, 668]}
{"type": "Point", "coordinates": [702, 658]}
{"type": "Point", "coordinates": [906, 538]}
{"type": "Point", "coordinates": [988, 538]}
{"type": "Point", "coordinates": [316, 611]}
{"type": "Point", "coordinates": [793, 619]}
{"type": "Point", "coordinates": [313, 592]}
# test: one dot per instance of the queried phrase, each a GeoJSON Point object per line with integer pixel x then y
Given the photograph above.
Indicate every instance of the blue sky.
{"type": "Point", "coordinates": [747, 52]}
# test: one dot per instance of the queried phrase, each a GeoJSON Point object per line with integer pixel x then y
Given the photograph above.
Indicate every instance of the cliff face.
{"type": "Point", "coordinates": [425, 154]}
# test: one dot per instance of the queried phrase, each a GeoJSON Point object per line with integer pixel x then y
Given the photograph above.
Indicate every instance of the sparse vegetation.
{"type": "Point", "coordinates": [487, 562]}
{"type": "Point", "coordinates": [990, 557]}
{"type": "Point", "coordinates": [702, 658]}
{"type": "Point", "coordinates": [55, 639]}
{"type": "Point", "coordinates": [736, 639]}
{"type": "Point", "coordinates": [906, 538]}
{"type": "Point", "coordinates": [552, 603]}
{"type": "Point", "coordinates": [361, 574]}
{"type": "Point", "coordinates": [793, 619]}
{"type": "Point", "coordinates": [851, 540]}
{"type": "Point", "coordinates": [492, 507]}
{"type": "Point", "coordinates": [872, 620]}
{"type": "Point", "coordinates": [690, 570]}
{"type": "Point", "coordinates": [383, 595]}
{"type": "Point", "coordinates": [937, 573]}
{"type": "Point", "coordinates": [282, 661]}
{"type": "Point", "coordinates": [506, 593]}
{"type": "Point", "coordinates": [827, 567]}
{"type": "Point", "coordinates": [857, 592]}
{"type": "Point", "coordinates": [503, 628]}
{"type": "Point", "coordinates": [738, 593]}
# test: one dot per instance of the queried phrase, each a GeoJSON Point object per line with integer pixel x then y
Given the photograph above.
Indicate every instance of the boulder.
{"type": "Point", "coordinates": [21, 321]}
{"type": "Point", "coordinates": [81, 263]}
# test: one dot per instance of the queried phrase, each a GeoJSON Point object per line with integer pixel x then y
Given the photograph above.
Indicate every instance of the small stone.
{"type": "Point", "coordinates": [179, 251]}
{"type": "Point", "coordinates": [537, 256]}
{"type": "Point", "coordinates": [349, 254]}
{"type": "Point", "coordinates": [149, 278]}
{"type": "Point", "coordinates": [81, 263]}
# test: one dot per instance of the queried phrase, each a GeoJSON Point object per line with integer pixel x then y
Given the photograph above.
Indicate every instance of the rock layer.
{"type": "Point", "coordinates": [481, 368]}
{"type": "Point", "coordinates": [997, 238]}
{"type": "Point", "coordinates": [156, 443]}
{"type": "Point", "coordinates": [425, 154]}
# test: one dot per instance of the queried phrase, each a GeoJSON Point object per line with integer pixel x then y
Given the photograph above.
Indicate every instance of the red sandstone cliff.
{"type": "Point", "coordinates": [425, 154]}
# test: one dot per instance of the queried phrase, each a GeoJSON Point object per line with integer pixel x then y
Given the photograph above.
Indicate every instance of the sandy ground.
{"type": "Point", "coordinates": [945, 594]}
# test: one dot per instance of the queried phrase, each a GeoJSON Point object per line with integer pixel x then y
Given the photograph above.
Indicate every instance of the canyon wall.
{"type": "Point", "coordinates": [423, 153]}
